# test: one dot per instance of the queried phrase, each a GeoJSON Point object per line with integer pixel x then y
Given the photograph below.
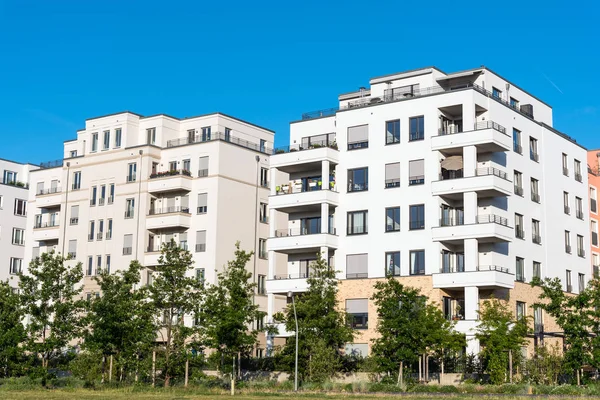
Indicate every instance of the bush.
{"type": "Point", "coordinates": [384, 387]}
{"type": "Point", "coordinates": [87, 367]}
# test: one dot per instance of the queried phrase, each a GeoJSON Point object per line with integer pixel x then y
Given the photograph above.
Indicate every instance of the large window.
{"type": "Point", "coordinates": [200, 241]}
{"type": "Point", "coordinates": [15, 265]}
{"type": "Point", "coordinates": [535, 231]}
{"type": "Point", "coordinates": [535, 190]}
{"type": "Point", "coordinates": [392, 263]}
{"type": "Point", "coordinates": [392, 132]}
{"type": "Point", "coordinates": [129, 207]}
{"type": "Point", "coordinates": [533, 149]}
{"type": "Point", "coordinates": [151, 135]}
{"type": "Point", "coordinates": [95, 141]}
{"type": "Point", "coordinates": [106, 140]}
{"type": "Point", "coordinates": [357, 222]}
{"type": "Point", "coordinates": [580, 246]}
{"type": "Point", "coordinates": [21, 207]}
{"type": "Point", "coordinates": [18, 237]}
{"type": "Point", "coordinates": [594, 230]}
{"type": "Point", "coordinates": [581, 280]}
{"type": "Point", "coordinates": [579, 207]}
{"type": "Point", "coordinates": [417, 217]}
{"type": "Point", "coordinates": [568, 281]}
{"type": "Point", "coordinates": [392, 175]}
{"type": "Point", "coordinates": [566, 202]}
{"type": "Point", "coordinates": [77, 180]}
{"type": "Point", "coordinates": [261, 287]}
{"type": "Point", "coordinates": [357, 266]}
{"type": "Point", "coordinates": [416, 172]}
{"type": "Point", "coordinates": [358, 179]}
{"type": "Point", "coordinates": [203, 203]}
{"type": "Point", "coordinates": [131, 172]}
{"type": "Point", "coordinates": [521, 309]}
{"type": "Point", "coordinates": [416, 127]}
{"type": "Point", "coordinates": [537, 269]}
{"type": "Point", "coordinates": [417, 262]}
{"type": "Point", "coordinates": [518, 183]}
{"type": "Point", "coordinates": [578, 176]}
{"type": "Point", "coordinates": [568, 242]}
{"type": "Point", "coordinates": [565, 164]}
{"type": "Point", "coordinates": [358, 313]}
{"type": "Point", "coordinates": [520, 269]}
{"type": "Point", "coordinates": [593, 200]}
{"type": "Point", "coordinates": [392, 219]}
{"type": "Point", "coordinates": [118, 137]}
{"type": "Point", "coordinates": [358, 137]}
{"type": "Point", "coordinates": [517, 141]}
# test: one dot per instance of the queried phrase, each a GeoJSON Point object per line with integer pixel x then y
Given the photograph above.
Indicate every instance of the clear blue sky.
{"type": "Point", "coordinates": [268, 62]}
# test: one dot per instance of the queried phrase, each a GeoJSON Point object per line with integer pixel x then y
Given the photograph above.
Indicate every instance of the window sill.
{"type": "Point", "coordinates": [357, 234]}
{"type": "Point", "coordinates": [392, 231]}
{"type": "Point", "coordinates": [357, 191]}
{"type": "Point", "coordinates": [392, 143]}
{"type": "Point", "coordinates": [17, 244]}
{"type": "Point", "coordinates": [416, 229]}
{"type": "Point", "coordinates": [416, 140]}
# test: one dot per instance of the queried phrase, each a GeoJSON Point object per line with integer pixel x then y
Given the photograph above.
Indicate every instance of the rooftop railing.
{"type": "Point", "coordinates": [219, 136]}
{"type": "Point", "coordinates": [51, 164]}
{"type": "Point", "coordinates": [301, 147]}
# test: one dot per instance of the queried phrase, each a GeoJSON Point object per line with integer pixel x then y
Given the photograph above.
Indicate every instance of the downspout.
{"type": "Point", "coordinates": [65, 210]}
{"type": "Point", "coordinates": [137, 231]}
{"type": "Point", "coordinates": [257, 158]}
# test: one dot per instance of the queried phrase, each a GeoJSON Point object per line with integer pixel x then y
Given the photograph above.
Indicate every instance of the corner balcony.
{"type": "Point", "coordinates": [487, 136]}
{"type": "Point", "coordinates": [486, 276]}
{"type": "Point", "coordinates": [170, 181]}
{"type": "Point", "coordinates": [48, 198]}
{"type": "Point", "coordinates": [297, 158]}
{"type": "Point", "coordinates": [290, 241]}
{"type": "Point", "coordinates": [488, 228]}
{"type": "Point", "coordinates": [285, 200]}
{"type": "Point", "coordinates": [283, 284]}
{"type": "Point", "coordinates": [46, 231]}
{"type": "Point", "coordinates": [167, 218]}
{"type": "Point", "coordinates": [487, 182]}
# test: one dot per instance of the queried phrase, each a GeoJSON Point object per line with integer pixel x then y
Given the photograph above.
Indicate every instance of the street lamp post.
{"type": "Point", "coordinates": [290, 294]}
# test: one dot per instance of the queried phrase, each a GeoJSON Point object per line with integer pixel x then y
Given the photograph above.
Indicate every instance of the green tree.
{"type": "Point", "coordinates": [498, 332]}
{"type": "Point", "coordinates": [174, 295]}
{"type": "Point", "coordinates": [51, 296]}
{"type": "Point", "coordinates": [230, 310]}
{"type": "Point", "coordinates": [408, 326]}
{"type": "Point", "coordinates": [323, 328]}
{"type": "Point", "coordinates": [593, 316]}
{"type": "Point", "coordinates": [12, 331]}
{"type": "Point", "coordinates": [572, 314]}
{"type": "Point", "coordinates": [121, 321]}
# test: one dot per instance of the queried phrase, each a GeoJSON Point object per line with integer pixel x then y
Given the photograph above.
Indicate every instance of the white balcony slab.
{"type": "Point", "coordinates": [485, 232]}
{"type": "Point", "coordinates": [164, 221]}
{"type": "Point", "coordinates": [486, 140]}
{"type": "Point", "coordinates": [484, 185]}
{"type": "Point", "coordinates": [296, 244]}
{"type": "Point", "coordinates": [481, 279]}
{"type": "Point", "coordinates": [283, 202]}
{"type": "Point", "coordinates": [292, 159]}
{"type": "Point", "coordinates": [43, 234]}
{"type": "Point", "coordinates": [284, 286]}
{"type": "Point", "coordinates": [151, 259]}
{"type": "Point", "coordinates": [48, 200]}
{"type": "Point", "coordinates": [170, 184]}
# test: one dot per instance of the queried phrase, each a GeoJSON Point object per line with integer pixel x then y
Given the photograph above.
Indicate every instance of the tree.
{"type": "Point", "coordinates": [323, 328]}
{"type": "Point", "coordinates": [174, 294]}
{"type": "Point", "coordinates": [12, 331]}
{"type": "Point", "coordinates": [500, 332]}
{"type": "Point", "coordinates": [572, 315]}
{"type": "Point", "coordinates": [121, 320]}
{"type": "Point", "coordinates": [51, 296]}
{"type": "Point", "coordinates": [593, 315]}
{"type": "Point", "coordinates": [408, 326]}
{"type": "Point", "coordinates": [230, 310]}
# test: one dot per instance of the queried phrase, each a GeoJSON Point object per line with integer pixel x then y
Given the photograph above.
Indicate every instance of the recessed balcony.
{"type": "Point", "coordinates": [285, 200]}
{"type": "Point", "coordinates": [488, 228]}
{"type": "Point", "coordinates": [487, 182]}
{"type": "Point", "coordinates": [283, 284]}
{"type": "Point", "coordinates": [292, 241]}
{"type": "Point", "coordinates": [486, 276]}
{"type": "Point", "coordinates": [296, 159]}
{"type": "Point", "coordinates": [169, 217]}
{"type": "Point", "coordinates": [43, 231]}
{"type": "Point", "coordinates": [175, 180]}
{"type": "Point", "coordinates": [487, 136]}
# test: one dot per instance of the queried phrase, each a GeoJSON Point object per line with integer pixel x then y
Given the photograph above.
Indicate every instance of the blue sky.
{"type": "Point", "coordinates": [268, 62]}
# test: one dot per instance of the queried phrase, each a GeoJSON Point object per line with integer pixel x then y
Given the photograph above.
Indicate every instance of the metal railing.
{"type": "Point", "coordinates": [537, 239]}
{"type": "Point", "coordinates": [492, 218]}
{"type": "Point", "coordinates": [153, 249]}
{"type": "Point", "coordinates": [99, 236]}
{"type": "Point", "coordinates": [215, 136]}
{"type": "Point", "coordinates": [127, 251]}
{"type": "Point", "coordinates": [202, 173]}
{"type": "Point", "coordinates": [101, 201]}
{"type": "Point", "coordinates": [392, 183]}
{"type": "Point", "coordinates": [518, 190]}
{"type": "Point", "coordinates": [172, 172]}
{"type": "Point", "coordinates": [567, 210]}
{"type": "Point", "coordinates": [520, 233]}
{"type": "Point", "coordinates": [200, 247]}
{"type": "Point", "coordinates": [565, 171]}
{"type": "Point", "coordinates": [452, 221]}
{"type": "Point", "coordinates": [291, 188]}
{"type": "Point", "coordinates": [517, 148]}
{"type": "Point", "coordinates": [535, 197]}
{"type": "Point", "coordinates": [51, 164]}
{"type": "Point", "coordinates": [520, 277]}
{"type": "Point", "coordinates": [358, 275]}
{"type": "Point", "coordinates": [48, 191]}
{"type": "Point", "coordinates": [332, 144]}
{"type": "Point", "coordinates": [490, 125]}
{"type": "Point", "coordinates": [452, 174]}
{"type": "Point", "coordinates": [491, 171]}
{"type": "Point", "coordinates": [581, 252]}
{"type": "Point", "coordinates": [130, 178]}
{"type": "Point", "coordinates": [449, 130]}
{"type": "Point", "coordinates": [301, 275]}
{"type": "Point", "coordinates": [492, 268]}
{"type": "Point", "coordinates": [534, 156]}
{"type": "Point", "coordinates": [48, 224]}
{"type": "Point", "coordinates": [578, 177]}
{"type": "Point", "coordinates": [568, 248]}
{"type": "Point", "coordinates": [579, 214]}
{"type": "Point", "coordinates": [201, 210]}
{"type": "Point", "coordinates": [416, 180]}
{"type": "Point", "coordinates": [129, 214]}
{"type": "Point", "coordinates": [320, 113]}
{"type": "Point", "coordinates": [169, 210]}
{"type": "Point", "coordinates": [76, 186]}
{"type": "Point", "coordinates": [74, 221]}
{"type": "Point", "coordinates": [301, 232]}
{"type": "Point", "coordinates": [452, 269]}
{"type": "Point", "coordinates": [358, 145]}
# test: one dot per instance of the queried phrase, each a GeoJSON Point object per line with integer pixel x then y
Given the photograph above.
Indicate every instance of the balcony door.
{"type": "Point", "coordinates": [310, 226]}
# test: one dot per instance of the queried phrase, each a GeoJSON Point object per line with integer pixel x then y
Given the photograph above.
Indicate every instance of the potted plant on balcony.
{"type": "Point", "coordinates": [333, 145]}
{"type": "Point", "coordinates": [280, 151]}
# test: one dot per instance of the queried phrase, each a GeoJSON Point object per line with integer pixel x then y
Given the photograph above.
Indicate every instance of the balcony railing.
{"type": "Point", "coordinates": [578, 177]}
{"type": "Point", "coordinates": [48, 191]}
{"type": "Point", "coordinates": [200, 247]}
{"type": "Point", "coordinates": [392, 183]}
{"type": "Point", "coordinates": [301, 232]}
{"type": "Point", "coordinates": [520, 233]}
{"type": "Point", "coordinates": [534, 156]}
{"type": "Point", "coordinates": [320, 113]}
{"type": "Point", "coordinates": [492, 218]}
{"type": "Point", "coordinates": [51, 164]}
{"type": "Point", "coordinates": [567, 210]}
{"type": "Point", "coordinates": [130, 178]}
{"type": "Point", "coordinates": [169, 210]}
{"type": "Point", "coordinates": [537, 239]}
{"type": "Point", "coordinates": [520, 277]}
{"type": "Point", "coordinates": [565, 171]}
{"type": "Point", "coordinates": [127, 251]}
{"type": "Point", "coordinates": [201, 210]}
{"type": "Point", "coordinates": [301, 275]}
{"type": "Point", "coordinates": [535, 197]}
{"type": "Point", "coordinates": [492, 268]}
{"type": "Point", "coordinates": [581, 252]}
{"type": "Point", "coordinates": [129, 214]}
{"type": "Point", "coordinates": [451, 269]}
{"type": "Point", "coordinates": [358, 145]}
{"type": "Point", "coordinates": [48, 224]}
{"type": "Point", "coordinates": [332, 144]}
{"type": "Point", "coordinates": [74, 221]}
{"type": "Point", "coordinates": [416, 180]}
{"type": "Point", "coordinates": [358, 275]}
{"type": "Point", "coordinates": [291, 188]}
{"type": "Point", "coordinates": [155, 248]}
{"type": "Point", "coordinates": [173, 172]}
{"type": "Point", "coordinates": [490, 125]}
{"type": "Point", "coordinates": [214, 136]}
{"type": "Point", "coordinates": [579, 214]}
{"type": "Point", "coordinates": [518, 190]}
{"type": "Point", "coordinates": [202, 173]}
{"type": "Point", "coordinates": [452, 221]}
{"type": "Point", "coordinates": [517, 148]}
{"type": "Point", "coordinates": [491, 171]}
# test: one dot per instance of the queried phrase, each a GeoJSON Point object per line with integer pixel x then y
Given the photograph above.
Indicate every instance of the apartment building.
{"type": "Point", "coordinates": [129, 183]}
{"type": "Point", "coordinates": [14, 194]}
{"type": "Point", "coordinates": [593, 165]}
{"type": "Point", "coordinates": [455, 183]}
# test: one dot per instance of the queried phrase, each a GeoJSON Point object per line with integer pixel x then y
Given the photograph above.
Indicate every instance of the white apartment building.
{"type": "Point", "coordinates": [129, 183]}
{"type": "Point", "coordinates": [456, 183]}
{"type": "Point", "coordinates": [13, 215]}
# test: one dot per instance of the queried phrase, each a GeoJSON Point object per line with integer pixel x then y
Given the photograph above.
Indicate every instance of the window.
{"type": "Point", "coordinates": [417, 262]}
{"type": "Point", "coordinates": [580, 246]}
{"type": "Point", "coordinates": [106, 141]}
{"type": "Point", "coordinates": [117, 137]}
{"type": "Point", "coordinates": [264, 177]}
{"type": "Point", "coordinates": [263, 213]}
{"type": "Point", "coordinates": [452, 262]}
{"type": "Point", "coordinates": [593, 201]}
{"type": "Point", "coordinates": [1, 202]}
{"type": "Point", "coordinates": [535, 190]}
{"type": "Point", "coordinates": [392, 132]}
{"type": "Point", "coordinates": [203, 167]}
{"type": "Point", "coordinates": [127, 244]}
{"type": "Point", "coordinates": [263, 144]}
{"type": "Point", "coordinates": [77, 180]}
{"type": "Point", "coordinates": [73, 153]}
{"type": "Point", "coordinates": [93, 196]}
{"type": "Point", "coordinates": [358, 137]}
{"type": "Point", "coordinates": [535, 231]}
{"type": "Point", "coordinates": [357, 266]}
{"type": "Point", "coordinates": [94, 141]}
{"type": "Point", "coordinates": [89, 271]}
{"type": "Point", "coordinates": [514, 103]}
{"type": "Point", "coordinates": [21, 207]}
{"type": "Point", "coordinates": [520, 270]}
{"type": "Point", "coordinates": [200, 274]}
{"type": "Point", "coordinates": [565, 164]}
{"type": "Point", "coordinates": [100, 229]}
{"type": "Point", "coordinates": [131, 171]}
{"type": "Point", "coordinates": [578, 176]}
{"type": "Point", "coordinates": [517, 141]}
{"type": "Point", "coordinates": [518, 183]}
{"type": "Point", "coordinates": [200, 241]}
{"type": "Point", "coordinates": [566, 202]}
{"type": "Point", "coordinates": [357, 222]}
{"type": "Point", "coordinates": [40, 188]}
{"type": "Point", "coordinates": [151, 135]}
{"type": "Point", "coordinates": [202, 203]}
{"type": "Point", "coordinates": [173, 166]}
{"type": "Point", "coordinates": [205, 133]}
{"type": "Point", "coordinates": [519, 227]}
{"type": "Point", "coordinates": [129, 208]}
{"type": "Point", "coordinates": [108, 263]}
{"type": "Point", "coordinates": [594, 230]}
{"type": "Point", "coordinates": [260, 324]}
{"type": "Point", "coordinates": [358, 179]}
{"type": "Point", "coordinates": [521, 307]}
{"type": "Point", "coordinates": [74, 215]}
{"type": "Point", "coordinates": [392, 175]}
{"type": "Point", "coordinates": [18, 237]}
{"type": "Point", "coordinates": [262, 249]}
{"type": "Point", "coordinates": [533, 149]}
{"type": "Point", "coordinates": [537, 270]}
{"type": "Point", "coordinates": [568, 242]}
{"type": "Point", "coordinates": [581, 281]}
{"type": "Point", "coordinates": [10, 177]}
{"type": "Point", "coordinates": [417, 217]}
{"type": "Point", "coordinates": [98, 264]}
{"type": "Point", "coordinates": [72, 249]}
{"type": "Point", "coordinates": [261, 287]}
{"type": "Point", "coordinates": [496, 93]}
{"type": "Point", "coordinates": [416, 172]}
{"type": "Point", "coordinates": [91, 230]}
{"type": "Point", "coordinates": [109, 229]}
{"type": "Point", "coordinates": [111, 195]}
{"type": "Point", "coordinates": [15, 265]}
{"type": "Point", "coordinates": [227, 134]}
{"type": "Point", "coordinates": [392, 219]}
{"type": "Point", "coordinates": [392, 263]}
{"type": "Point", "coordinates": [579, 207]}
{"type": "Point", "coordinates": [568, 278]}
{"type": "Point", "coordinates": [358, 313]}
{"type": "Point", "coordinates": [187, 165]}
{"type": "Point", "coordinates": [416, 128]}
{"type": "Point", "coordinates": [102, 195]}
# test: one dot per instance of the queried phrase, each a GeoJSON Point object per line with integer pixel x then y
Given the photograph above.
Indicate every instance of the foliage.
{"type": "Point", "coordinates": [120, 321]}
{"type": "Point", "coordinates": [50, 294]}
{"type": "Point", "coordinates": [408, 326]}
{"type": "Point", "coordinates": [173, 295]}
{"type": "Point", "coordinates": [322, 327]}
{"type": "Point", "coordinates": [545, 366]}
{"type": "Point", "coordinates": [87, 367]}
{"type": "Point", "coordinates": [12, 332]}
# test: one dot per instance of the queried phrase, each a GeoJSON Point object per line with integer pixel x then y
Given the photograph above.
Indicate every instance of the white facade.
{"type": "Point", "coordinates": [448, 143]}
{"type": "Point", "coordinates": [14, 179]}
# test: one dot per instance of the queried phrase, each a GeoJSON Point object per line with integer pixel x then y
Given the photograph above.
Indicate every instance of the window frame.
{"type": "Point", "coordinates": [397, 129]}
{"type": "Point", "coordinates": [350, 216]}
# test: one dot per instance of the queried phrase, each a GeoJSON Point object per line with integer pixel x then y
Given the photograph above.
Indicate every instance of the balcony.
{"type": "Point", "coordinates": [283, 284]}
{"type": "Point", "coordinates": [488, 228]}
{"type": "Point", "coordinates": [487, 182]}
{"type": "Point", "coordinates": [487, 136]}
{"type": "Point", "coordinates": [175, 180]}
{"type": "Point", "coordinates": [300, 197]}
{"type": "Point", "coordinates": [169, 217]}
{"type": "Point", "coordinates": [48, 198]}
{"type": "Point", "coordinates": [43, 231]}
{"type": "Point", "coordinates": [299, 240]}
{"type": "Point", "coordinates": [486, 276]}
{"type": "Point", "coordinates": [219, 136]}
{"type": "Point", "coordinates": [296, 158]}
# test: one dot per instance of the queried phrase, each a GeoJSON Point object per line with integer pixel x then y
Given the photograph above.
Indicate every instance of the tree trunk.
{"type": "Point", "coordinates": [110, 369]}
{"type": "Point", "coordinates": [400, 374]}
{"type": "Point", "coordinates": [168, 352]}
{"type": "Point", "coordinates": [103, 367]}
{"type": "Point", "coordinates": [239, 372]}
{"type": "Point", "coordinates": [233, 374]}
{"type": "Point", "coordinates": [153, 368]}
{"type": "Point", "coordinates": [187, 370]}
